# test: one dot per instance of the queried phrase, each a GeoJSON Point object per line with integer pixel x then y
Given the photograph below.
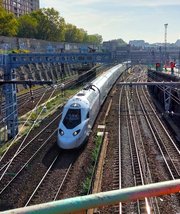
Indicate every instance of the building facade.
{"type": "Point", "coordinates": [21, 7]}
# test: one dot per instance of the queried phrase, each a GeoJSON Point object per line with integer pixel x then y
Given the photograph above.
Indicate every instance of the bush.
{"type": "Point", "coordinates": [16, 51]}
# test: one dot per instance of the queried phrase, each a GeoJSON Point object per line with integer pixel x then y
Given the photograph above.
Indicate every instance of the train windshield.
{"type": "Point", "coordinates": [72, 118]}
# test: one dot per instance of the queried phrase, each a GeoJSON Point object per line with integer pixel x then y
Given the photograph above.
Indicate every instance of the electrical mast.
{"type": "Point", "coordinates": [165, 41]}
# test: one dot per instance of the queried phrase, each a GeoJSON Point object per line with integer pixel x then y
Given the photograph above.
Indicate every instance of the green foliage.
{"type": "Point", "coordinates": [41, 24]}
{"type": "Point", "coordinates": [56, 24]}
{"type": "Point", "coordinates": [119, 42]}
{"type": "Point", "coordinates": [73, 34]}
{"type": "Point", "coordinates": [85, 186]}
{"type": "Point", "coordinates": [95, 154]}
{"type": "Point", "coordinates": [33, 116]}
{"type": "Point", "coordinates": [27, 26]}
{"type": "Point", "coordinates": [45, 24]}
{"type": "Point", "coordinates": [87, 183]}
{"type": "Point", "coordinates": [50, 26]}
{"type": "Point", "coordinates": [20, 51]}
{"type": "Point", "coordinates": [95, 151]}
{"type": "Point", "coordinates": [8, 23]}
{"type": "Point", "coordinates": [49, 105]}
{"type": "Point", "coordinates": [96, 39]}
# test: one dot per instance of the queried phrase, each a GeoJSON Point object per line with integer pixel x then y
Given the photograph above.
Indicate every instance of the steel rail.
{"type": "Point", "coordinates": [36, 136]}
{"type": "Point", "coordinates": [119, 143]}
{"type": "Point", "coordinates": [174, 147]}
{"type": "Point", "coordinates": [27, 162]}
{"type": "Point", "coordinates": [41, 181]}
{"type": "Point", "coordinates": [138, 168]}
{"type": "Point", "coordinates": [152, 128]}
{"type": "Point", "coordinates": [175, 84]}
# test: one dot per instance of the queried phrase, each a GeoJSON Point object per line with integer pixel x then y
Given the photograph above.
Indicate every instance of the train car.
{"type": "Point", "coordinates": [81, 110]}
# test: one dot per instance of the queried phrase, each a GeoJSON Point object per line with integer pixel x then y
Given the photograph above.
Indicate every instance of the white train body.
{"type": "Point", "coordinates": [81, 110]}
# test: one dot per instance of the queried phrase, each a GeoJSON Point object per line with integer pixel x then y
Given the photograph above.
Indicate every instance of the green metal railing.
{"type": "Point", "coordinates": [78, 204]}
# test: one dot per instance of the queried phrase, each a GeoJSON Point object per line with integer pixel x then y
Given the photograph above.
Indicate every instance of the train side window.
{"type": "Point", "coordinates": [87, 115]}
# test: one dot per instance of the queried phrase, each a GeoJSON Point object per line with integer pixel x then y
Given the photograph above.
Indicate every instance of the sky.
{"type": "Point", "coordinates": [125, 19]}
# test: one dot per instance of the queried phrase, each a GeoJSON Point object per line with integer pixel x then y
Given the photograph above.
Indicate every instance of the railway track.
{"type": "Point", "coordinates": [133, 164]}
{"type": "Point", "coordinates": [54, 178]}
{"type": "Point", "coordinates": [163, 145]}
{"type": "Point", "coordinates": [167, 147]}
{"type": "Point", "coordinates": [27, 101]}
{"type": "Point", "coordinates": [15, 167]}
{"type": "Point", "coordinates": [130, 147]}
{"type": "Point", "coordinates": [135, 154]}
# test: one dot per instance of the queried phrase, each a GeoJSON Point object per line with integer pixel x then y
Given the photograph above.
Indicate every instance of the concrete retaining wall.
{"type": "Point", "coordinates": [39, 46]}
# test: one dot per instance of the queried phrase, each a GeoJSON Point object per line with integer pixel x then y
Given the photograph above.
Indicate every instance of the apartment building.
{"type": "Point", "coordinates": [20, 7]}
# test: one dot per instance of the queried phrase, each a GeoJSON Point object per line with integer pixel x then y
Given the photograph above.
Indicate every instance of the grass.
{"type": "Point", "coordinates": [2, 51]}
{"type": "Point", "coordinates": [4, 147]}
{"type": "Point", "coordinates": [50, 106]}
{"type": "Point", "coordinates": [95, 151]}
{"type": "Point", "coordinates": [24, 91]}
{"type": "Point", "coordinates": [86, 185]}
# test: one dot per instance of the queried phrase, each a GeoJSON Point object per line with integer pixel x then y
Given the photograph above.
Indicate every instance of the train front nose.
{"type": "Point", "coordinates": [70, 128]}
{"type": "Point", "coordinates": [68, 141]}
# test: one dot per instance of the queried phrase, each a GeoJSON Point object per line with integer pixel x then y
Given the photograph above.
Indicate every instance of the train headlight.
{"type": "Point", "coordinates": [61, 132]}
{"type": "Point", "coordinates": [76, 132]}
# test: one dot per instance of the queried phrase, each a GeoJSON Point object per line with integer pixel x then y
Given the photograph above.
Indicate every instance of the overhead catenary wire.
{"type": "Point", "coordinates": [176, 99]}
{"type": "Point", "coordinates": [74, 84]}
{"type": "Point", "coordinates": [31, 127]}
{"type": "Point", "coordinates": [24, 138]}
{"type": "Point", "coordinates": [31, 112]}
{"type": "Point", "coordinates": [5, 118]}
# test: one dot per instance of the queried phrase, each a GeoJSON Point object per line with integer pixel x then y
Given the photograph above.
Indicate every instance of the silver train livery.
{"type": "Point", "coordinates": [81, 110]}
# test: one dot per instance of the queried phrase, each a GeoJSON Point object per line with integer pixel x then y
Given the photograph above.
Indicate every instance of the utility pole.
{"type": "Point", "coordinates": [179, 63]}
{"type": "Point", "coordinates": [165, 42]}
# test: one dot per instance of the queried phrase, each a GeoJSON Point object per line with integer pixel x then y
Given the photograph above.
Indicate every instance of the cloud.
{"type": "Point", "coordinates": [129, 3]}
{"type": "Point", "coordinates": [126, 19]}
{"type": "Point", "coordinates": [144, 3]}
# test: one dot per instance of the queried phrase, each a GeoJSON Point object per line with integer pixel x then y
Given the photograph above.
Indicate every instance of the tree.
{"type": "Point", "coordinates": [27, 26]}
{"type": "Point", "coordinates": [45, 24]}
{"type": "Point", "coordinates": [8, 23]}
{"type": "Point", "coordinates": [41, 24]}
{"type": "Point", "coordinates": [74, 34]}
{"type": "Point", "coordinates": [95, 38]}
{"type": "Point", "coordinates": [69, 32]}
{"type": "Point", "coordinates": [56, 24]}
{"type": "Point", "coordinates": [50, 26]}
{"type": "Point", "coordinates": [119, 42]}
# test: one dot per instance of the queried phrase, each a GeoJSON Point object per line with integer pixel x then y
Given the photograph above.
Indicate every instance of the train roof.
{"type": "Point", "coordinates": [106, 74]}
{"type": "Point", "coordinates": [78, 101]}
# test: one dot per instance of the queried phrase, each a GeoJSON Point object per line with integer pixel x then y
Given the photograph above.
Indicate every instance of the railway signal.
{"type": "Point", "coordinates": [172, 65]}
{"type": "Point", "coordinates": [158, 66]}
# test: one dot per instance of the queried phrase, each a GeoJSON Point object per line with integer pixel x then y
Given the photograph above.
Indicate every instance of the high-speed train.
{"type": "Point", "coordinates": [81, 110]}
